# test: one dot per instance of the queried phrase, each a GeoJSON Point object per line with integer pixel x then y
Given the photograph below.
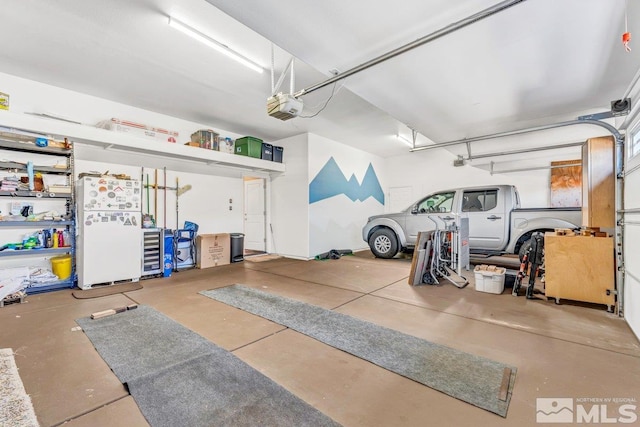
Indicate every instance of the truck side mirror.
{"type": "Point", "coordinates": [414, 209]}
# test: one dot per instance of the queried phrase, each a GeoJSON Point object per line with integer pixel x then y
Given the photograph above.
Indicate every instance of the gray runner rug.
{"type": "Point", "coordinates": [178, 378]}
{"type": "Point", "coordinates": [473, 379]}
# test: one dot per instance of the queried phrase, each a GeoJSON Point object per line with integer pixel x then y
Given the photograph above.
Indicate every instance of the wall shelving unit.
{"type": "Point", "coordinates": [106, 139]}
{"type": "Point", "coordinates": [67, 223]}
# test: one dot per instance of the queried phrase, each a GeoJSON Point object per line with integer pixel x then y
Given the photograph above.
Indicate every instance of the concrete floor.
{"type": "Point", "coordinates": [560, 350]}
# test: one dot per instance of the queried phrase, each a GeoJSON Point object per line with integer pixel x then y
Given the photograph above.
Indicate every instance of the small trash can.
{"type": "Point", "coordinates": [237, 247]}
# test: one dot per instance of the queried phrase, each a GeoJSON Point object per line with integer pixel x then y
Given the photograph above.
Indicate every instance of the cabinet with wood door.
{"type": "Point", "coordinates": [580, 268]}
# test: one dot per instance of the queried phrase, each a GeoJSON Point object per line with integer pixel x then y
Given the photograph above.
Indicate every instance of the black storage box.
{"type": "Point", "coordinates": [267, 151]}
{"type": "Point", "coordinates": [277, 153]}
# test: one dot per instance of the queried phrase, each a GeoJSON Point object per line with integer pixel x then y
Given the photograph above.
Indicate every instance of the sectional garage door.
{"type": "Point", "coordinates": [631, 236]}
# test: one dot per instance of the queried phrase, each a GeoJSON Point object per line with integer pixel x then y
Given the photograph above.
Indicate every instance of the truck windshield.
{"type": "Point", "coordinates": [441, 202]}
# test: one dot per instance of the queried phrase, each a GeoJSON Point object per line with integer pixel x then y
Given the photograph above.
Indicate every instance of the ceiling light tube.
{"type": "Point", "coordinates": [214, 44]}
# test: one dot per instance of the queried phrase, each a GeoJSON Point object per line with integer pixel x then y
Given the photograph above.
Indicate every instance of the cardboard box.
{"type": "Point", "coordinates": [213, 250]}
{"type": "Point", "coordinates": [139, 129]}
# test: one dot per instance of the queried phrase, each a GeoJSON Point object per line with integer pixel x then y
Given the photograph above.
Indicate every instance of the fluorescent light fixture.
{"type": "Point", "coordinates": [214, 44]}
{"type": "Point", "coordinates": [405, 140]}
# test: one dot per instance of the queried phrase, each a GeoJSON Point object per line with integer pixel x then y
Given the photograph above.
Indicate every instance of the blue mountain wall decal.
{"type": "Point", "coordinates": [330, 182]}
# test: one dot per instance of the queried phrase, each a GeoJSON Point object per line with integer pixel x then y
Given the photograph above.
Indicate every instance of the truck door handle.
{"type": "Point", "coordinates": [493, 218]}
{"type": "Point", "coordinates": [448, 218]}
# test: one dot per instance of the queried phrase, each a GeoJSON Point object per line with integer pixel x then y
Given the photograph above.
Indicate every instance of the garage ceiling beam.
{"type": "Point", "coordinates": [524, 150]}
{"type": "Point", "coordinates": [499, 7]}
{"type": "Point", "coordinates": [619, 137]}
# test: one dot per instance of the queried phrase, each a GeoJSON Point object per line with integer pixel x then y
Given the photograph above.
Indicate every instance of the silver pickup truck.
{"type": "Point", "coordinates": [496, 222]}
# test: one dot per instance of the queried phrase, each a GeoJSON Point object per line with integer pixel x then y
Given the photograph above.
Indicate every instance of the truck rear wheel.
{"type": "Point", "coordinates": [383, 243]}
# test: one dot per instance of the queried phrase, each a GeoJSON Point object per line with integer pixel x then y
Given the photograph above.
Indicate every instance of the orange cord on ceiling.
{"type": "Point", "coordinates": [626, 38]}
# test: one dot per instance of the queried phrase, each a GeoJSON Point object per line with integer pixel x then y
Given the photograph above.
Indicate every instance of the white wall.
{"type": "Point", "coordinates": [290, 200]}
{"type": "Point", "coordinates": [431, 170]}
{"type": "Point", "coordinates": [206, 204]}
{"type": "Point", "coordinates": [30, 96]}
{"type": "Point", "coordinates": [336, 222]}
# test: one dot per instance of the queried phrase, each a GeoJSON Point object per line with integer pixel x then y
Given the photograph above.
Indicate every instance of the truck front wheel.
{"type": "Point", "coordinates": [383, 243]}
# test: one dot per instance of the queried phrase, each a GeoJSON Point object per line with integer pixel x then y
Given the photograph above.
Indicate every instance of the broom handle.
{"type": "Point", "coordinates": [155, 197]}
{"type": "Point", "coordinates": [177, 197]}
{"type": "Point", "coordinates": [148, 194]}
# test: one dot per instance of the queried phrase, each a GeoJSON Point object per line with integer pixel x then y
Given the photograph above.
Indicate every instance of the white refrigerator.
{"type": "Point", "coordinates": [109, 230]}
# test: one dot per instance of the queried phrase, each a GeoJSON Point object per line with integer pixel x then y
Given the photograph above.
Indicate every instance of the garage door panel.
{"type": "Point", "coordinates": [632, 195]}
{"type": "Point", "coordinates": [631, 248]}
{"type": "Point", "coordinates": [631, 294]}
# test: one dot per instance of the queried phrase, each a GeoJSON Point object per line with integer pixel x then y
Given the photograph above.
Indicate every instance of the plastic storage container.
{"type": "Point", "coordinates": [249, 146]}
{"type": "Point", "coordinates": [61, 266]}
{"type": "Point", "coordinates": [206, 138]}
{"type": "Point", "coordinates": [237, 247]}
{"type": "Point", "coordinates": [277, 153]}
{"type": "Point", "coordinates": [267, 151]}
{"type": "Point", "coordinates": [489, 278]}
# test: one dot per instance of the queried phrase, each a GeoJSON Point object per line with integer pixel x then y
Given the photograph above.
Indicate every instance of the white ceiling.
{"type": "Point", "coordinates": [538, 62]}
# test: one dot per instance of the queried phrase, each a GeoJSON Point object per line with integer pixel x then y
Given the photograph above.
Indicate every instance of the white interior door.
{"type": "Point", "coordinates": [254, 214]}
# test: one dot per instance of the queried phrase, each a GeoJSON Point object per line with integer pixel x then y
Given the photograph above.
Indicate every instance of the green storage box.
{"type": "Point", "coordinates": [249, 146]}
